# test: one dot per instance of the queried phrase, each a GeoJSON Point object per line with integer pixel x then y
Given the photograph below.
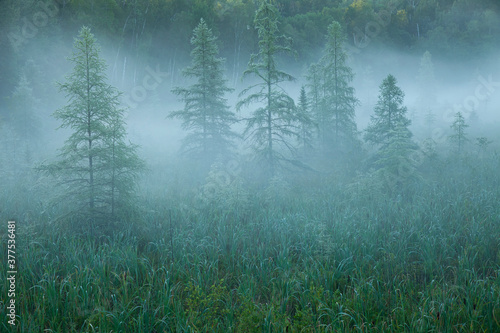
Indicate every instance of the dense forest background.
{"type": "Point", "coordinates": [381, 36]}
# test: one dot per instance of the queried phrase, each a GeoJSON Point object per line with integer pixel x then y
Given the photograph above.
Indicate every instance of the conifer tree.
{"type": "Point", "coordinates": [122, 163]}
{"type": "Point", "coordinates": [389, 113]}
{"type": "Point", "coordinates": [389, 131]}
{"type": "Point", "coordinates": [206, 113]}
{"type": "Point", "coordinates": [97, 168]}
{"type": "Point", "coordinates": [394, 158]}
{"type": "Point", "coordinates": [339, 99]}
{"type": "Point", "coordinates": [275, 125]}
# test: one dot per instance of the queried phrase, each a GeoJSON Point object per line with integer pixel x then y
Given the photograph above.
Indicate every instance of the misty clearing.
{"type": "Point", "coordinates": [250, 166]}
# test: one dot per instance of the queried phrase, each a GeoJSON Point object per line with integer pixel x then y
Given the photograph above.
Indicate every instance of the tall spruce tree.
{"type": "Point", "coordinates": [389, 131]}
{"type": "Point", "coordinates": [389, 113]}
{"type": "Point", "coordinates": [206, 113]}
{"type": "Point", "coordinates": [339, 99]}
{"type": "Point", "coordinates": [274, 126]}
{"type": "Point", "coordinates": [97, 167]}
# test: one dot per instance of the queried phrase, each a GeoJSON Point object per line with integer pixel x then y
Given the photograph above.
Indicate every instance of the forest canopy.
{"type": "Point", "coordinates": [152, 31]}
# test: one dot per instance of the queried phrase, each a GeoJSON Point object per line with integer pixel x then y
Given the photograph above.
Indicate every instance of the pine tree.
{"type": "Point", "coordinates": [275, 125]}
{"type": "Point", "coordinates": [205, 113]}
{"type": "Point", "coordinates": [96, 167]}
{"type": "Point", "coordinates": [389, 113]}
{"type": "Point", "coordinates": [459, 137]}
{"type": "Point", "coordinates": [339, 99]}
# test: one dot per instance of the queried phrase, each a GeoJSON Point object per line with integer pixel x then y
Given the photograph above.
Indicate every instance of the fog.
{"type": "Point", "coordinates": [146, 79]}
{"type": "Point", "coordinates": [187, 176]}
{"type": "Point", "coordinates": [456, 83]}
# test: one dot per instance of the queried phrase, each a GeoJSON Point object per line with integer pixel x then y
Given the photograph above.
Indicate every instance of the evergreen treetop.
{"type": "Point", "coordinates": [205, 114]}
{"type": "Point", "coordinates": [389, 113]}
{"type": "Point", "coordinates": [274, 126]}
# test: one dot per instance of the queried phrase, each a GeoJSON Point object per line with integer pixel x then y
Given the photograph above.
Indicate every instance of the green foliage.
{"type": "Point", "coordinates": [325, 260]}
{"type": "Point", "coordinates": [145, 31]}
{"type": "Point", "coordinates": [394, 159]}
{"type": "Point", "coordinates": [403, 247]}
{"type": "Point", "coordinates": [468, 24]}
{"type": "Point", "coordinates": [206, 113]}
{"type": "Point", "coordinates": [389, 113]}
{"type": "Point", "coordinates": [274, 125]}
{"type": "Point", "coordinates": [97, 169]}
{"type": "Point", "coordinates": [338, 126]}
{"type": "Point", "coordinates": [207, 311]}
{"type": "Point", "coordinates": [251, 317]}
{"type": "Point", "coordinates": [389, 130]}
{"type": "Point", "coordinates": [123, 167]}
{"type": "Point", "coordinates": [357, 15]}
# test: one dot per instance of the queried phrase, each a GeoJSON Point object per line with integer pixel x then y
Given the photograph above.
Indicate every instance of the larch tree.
{"type": "Point", "coordinates": [339, 99]}
{"type": "Point", "coordinates": [274, 126]}
{"type": "Point", "coordinates": [206, 113]}
{"type": "Point", "coordinates": [97, 167]}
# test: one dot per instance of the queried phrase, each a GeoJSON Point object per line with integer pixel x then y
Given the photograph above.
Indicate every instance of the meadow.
{"type": "Point", "coordinates": [312, 255]}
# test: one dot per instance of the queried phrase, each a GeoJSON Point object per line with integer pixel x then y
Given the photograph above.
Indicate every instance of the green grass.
{"type": "Point", "coordinates": [323, 259]}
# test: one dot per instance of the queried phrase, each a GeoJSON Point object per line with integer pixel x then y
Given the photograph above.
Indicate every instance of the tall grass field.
{"type": "Point", "coordinates": [315, 256]}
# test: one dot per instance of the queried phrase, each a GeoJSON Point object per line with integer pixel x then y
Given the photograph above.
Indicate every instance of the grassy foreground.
{"type": "Point", "coordinates": [316, 260]}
